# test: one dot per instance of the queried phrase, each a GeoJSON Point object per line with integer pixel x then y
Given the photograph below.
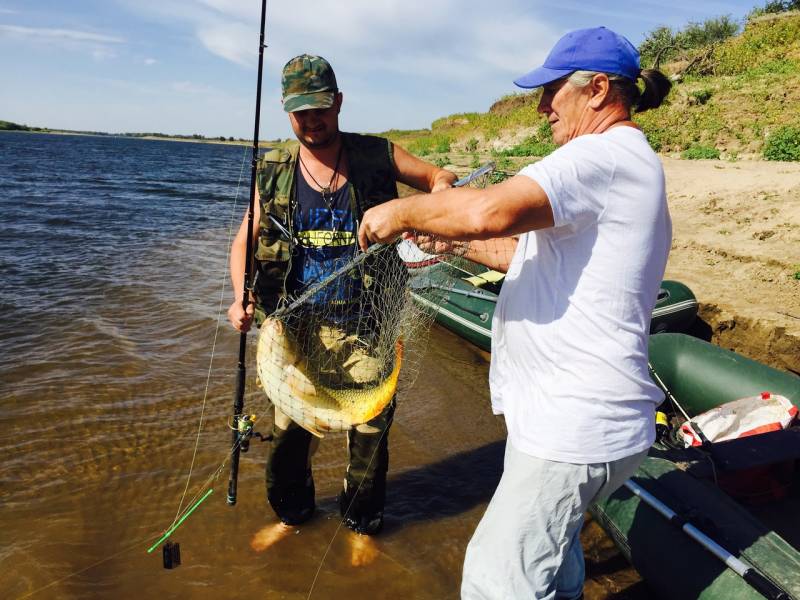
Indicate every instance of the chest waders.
{"type": "Point", "coordinates": [289, 481]}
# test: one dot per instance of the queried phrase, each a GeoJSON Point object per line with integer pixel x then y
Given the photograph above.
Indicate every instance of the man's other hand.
{"type": "Point", "coordinates": [240, 319]}
{"type": "Point", "coordinates": [380, 224]}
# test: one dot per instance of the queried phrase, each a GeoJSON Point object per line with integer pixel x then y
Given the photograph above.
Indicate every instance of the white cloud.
{"type": "Point", "coordinates": [149, 61]}
{"type": "Point", "coordinates": [401, 63]}
{"type": "Point", "coordinates": [229, 40]}
{"type": "Point", "coordinates": [51, 34]}
{"type": "Point", "coordinates": [102, 53]}
{"type": "Point", "coordinates": [442, 39]}
{"type": "Point", "coordinates": [188, 87]}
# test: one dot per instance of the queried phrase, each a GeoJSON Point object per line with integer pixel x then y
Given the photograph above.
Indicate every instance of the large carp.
{"type": "Point", "coordinates": [284, 376]}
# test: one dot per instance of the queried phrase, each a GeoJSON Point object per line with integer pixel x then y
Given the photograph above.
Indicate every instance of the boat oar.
{"type": "Point", "coordinates": [761, 584]}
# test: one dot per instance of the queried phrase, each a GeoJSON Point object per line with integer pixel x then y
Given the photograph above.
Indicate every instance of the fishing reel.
{"type": "Point", "coordinates": [243, 425]}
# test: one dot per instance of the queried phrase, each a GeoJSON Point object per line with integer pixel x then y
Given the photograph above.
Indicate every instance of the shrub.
{"type": "Point", "coordinates": [655, 138]}
{"type": "Point", "coordinates": [441, 161]}
{"type": "Point", "coordinates": [783, 144]}
{"type": "Point", "coordinates": [701, 96]}
{"type": "Point", "coordinates": [700, 153]}
{"type": "Point", "coordinates": [421, 146]}
{"type": "Point", "coordinates": [472, 145]}
{"type": "Point", "coordinates": [773, 7]}
{"type": "Point", "coordinates": [530, 147]}
{"type": "Point", "coordinates": [498, 176]}
{"type": "Point", "coordinates": [711, 31]}
{"type": "Point", "coordinates": [475, 162]}
{"type": "Point", "coordinates": [504, 163]}
{"type": "Point", "coordinates": [662, 44]}
{"type": "Point", "coordinates": [544, 132]}
{"type": "Point", "coordinates": [442, 145]}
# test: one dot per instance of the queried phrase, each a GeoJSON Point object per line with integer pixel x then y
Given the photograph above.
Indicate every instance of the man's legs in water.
{"type": "Point", "coordinates": [362, 499]}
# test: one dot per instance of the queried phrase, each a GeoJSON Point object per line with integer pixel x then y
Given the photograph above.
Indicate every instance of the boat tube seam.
{"type": "Point", "coordinates": [469, 324]}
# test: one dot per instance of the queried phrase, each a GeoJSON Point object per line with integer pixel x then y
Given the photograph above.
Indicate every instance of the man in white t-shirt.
{"type": "Point", "coordinates": [590, 234]}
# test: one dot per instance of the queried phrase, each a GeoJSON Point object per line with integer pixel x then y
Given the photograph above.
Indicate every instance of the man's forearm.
{"type": "Point", "coordinates": [433, 213]}
{"type": "Point", "coordinates": [237, 269]}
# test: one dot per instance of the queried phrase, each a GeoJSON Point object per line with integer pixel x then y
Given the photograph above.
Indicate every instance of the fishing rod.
{"type": "Point", "coordinates": [755, 578]}
{"type": "Point", "coordinates": [242, 427]}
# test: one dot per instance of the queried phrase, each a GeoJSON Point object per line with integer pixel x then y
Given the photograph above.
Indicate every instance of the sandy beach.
{"type": "Point", "coordinates": [736, 244]}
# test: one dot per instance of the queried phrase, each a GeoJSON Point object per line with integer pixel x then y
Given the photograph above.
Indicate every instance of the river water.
{"type": "Point", "coordinates": [114, 344]}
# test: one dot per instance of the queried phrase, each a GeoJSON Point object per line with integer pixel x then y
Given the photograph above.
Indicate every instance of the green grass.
{"type": "Point", "coordinates": [783, 144]}
{"type": "Point", "coordinates": [700, 153]}
{"type": "Point", "coordinates": [530, 147]}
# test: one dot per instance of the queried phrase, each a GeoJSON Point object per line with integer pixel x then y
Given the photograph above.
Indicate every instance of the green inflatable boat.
{"type": "Point", "coordinates": [742, 494]}
{"type": "Point", "coordinates": [464, 295]}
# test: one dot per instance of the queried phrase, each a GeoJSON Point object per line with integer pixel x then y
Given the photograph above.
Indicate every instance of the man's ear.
{"type": "Point", "coordinates": [600, 87]}
{"type": "Point", "coordinates": [338, 101]}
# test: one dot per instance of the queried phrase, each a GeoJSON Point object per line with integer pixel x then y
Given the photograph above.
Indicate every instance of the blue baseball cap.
{"type": "Point", "coordinates": [595, 49]}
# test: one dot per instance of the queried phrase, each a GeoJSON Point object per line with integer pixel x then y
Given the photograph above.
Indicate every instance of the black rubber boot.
{"type": "Point", "coordinates": [362, 499]}
{"type": "Point", "coordinates": [290, 485]}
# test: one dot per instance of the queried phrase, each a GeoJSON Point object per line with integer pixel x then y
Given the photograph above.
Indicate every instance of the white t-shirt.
{"type": "Point", "coordinates": [569, 335]}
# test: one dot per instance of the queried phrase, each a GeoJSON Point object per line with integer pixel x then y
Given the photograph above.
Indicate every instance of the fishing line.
{"type": "Point", "coordinates": [128, 548]}
{"type": "Point", "coordinates": [214, 342]}
{"type": "Point", "coordinates": [194, 502]}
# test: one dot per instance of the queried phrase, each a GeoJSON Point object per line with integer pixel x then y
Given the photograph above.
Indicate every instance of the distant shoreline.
{"type": "Point", "coordinates": [144, 137]}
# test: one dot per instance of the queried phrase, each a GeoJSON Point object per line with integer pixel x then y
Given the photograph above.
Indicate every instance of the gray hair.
{"type": "Point", "coordinates": [625, 90]}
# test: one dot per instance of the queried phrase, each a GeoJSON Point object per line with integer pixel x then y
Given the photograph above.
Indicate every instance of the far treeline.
{"type": "Point", "coordinates": [736, 89]}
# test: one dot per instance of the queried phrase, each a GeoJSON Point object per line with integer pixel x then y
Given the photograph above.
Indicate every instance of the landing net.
{"type": "Point", "coordinates": [336, 352]}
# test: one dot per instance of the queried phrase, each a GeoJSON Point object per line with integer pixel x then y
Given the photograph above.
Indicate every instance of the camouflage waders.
{"type": "Point", "coordinates": [290, 484]}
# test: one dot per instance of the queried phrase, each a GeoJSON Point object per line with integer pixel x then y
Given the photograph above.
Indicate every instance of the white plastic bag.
{"type": "Point", "coordinates": [741, 418]}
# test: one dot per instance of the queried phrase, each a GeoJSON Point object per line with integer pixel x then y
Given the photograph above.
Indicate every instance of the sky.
{"type": "Point", "coordinates": [190, 66]}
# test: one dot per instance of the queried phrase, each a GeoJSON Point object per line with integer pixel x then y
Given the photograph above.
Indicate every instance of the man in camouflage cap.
{"type": "Point", "coordinates": [308, 82]}
{"type": "Point", "coordinates": [317, 189]}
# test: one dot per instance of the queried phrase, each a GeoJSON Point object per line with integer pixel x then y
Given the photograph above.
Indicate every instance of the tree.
{"type": "Point", "coordinates": [659, 45]}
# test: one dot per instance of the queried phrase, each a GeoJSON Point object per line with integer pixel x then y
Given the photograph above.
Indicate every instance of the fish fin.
{"type": "Point", "coordinates": [311, 430]}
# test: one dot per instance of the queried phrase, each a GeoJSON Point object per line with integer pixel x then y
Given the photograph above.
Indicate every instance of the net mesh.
{"type": "Point", "coordinates": [336, 353]}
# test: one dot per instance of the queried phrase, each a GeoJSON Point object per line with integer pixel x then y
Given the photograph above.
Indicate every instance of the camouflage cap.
{"type": "Point", "coordinates": [308, 82]}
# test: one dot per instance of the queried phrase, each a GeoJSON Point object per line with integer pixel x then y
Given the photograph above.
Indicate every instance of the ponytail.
{"type": "Point", "coordinates": [656, 88]}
